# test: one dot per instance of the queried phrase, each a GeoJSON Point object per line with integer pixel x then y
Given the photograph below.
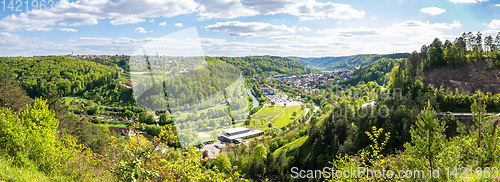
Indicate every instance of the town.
{"type": "Point", "coordinates": [311, 81]}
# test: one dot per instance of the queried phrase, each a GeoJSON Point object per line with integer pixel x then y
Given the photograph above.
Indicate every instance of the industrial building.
{"type": "Point", "coordinates": [237, 135]}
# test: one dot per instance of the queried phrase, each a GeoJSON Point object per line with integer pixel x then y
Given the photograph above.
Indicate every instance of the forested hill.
{"type": "Point", "coordinates": [69, 76]}
{"type": "Point", "coordinates": [465, 64]}
{"type": "Point", "coordinates": [377, 71]}
{"type": "Point", "coordinates": [347, 62]}
{"type": "Point", "coordinates": [263, 65]}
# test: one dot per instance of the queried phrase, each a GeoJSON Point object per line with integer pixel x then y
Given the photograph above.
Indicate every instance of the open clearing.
{"type": "Point", "coordinates": [286, 116]}
{"type": "Point", "coordinates": [278, 115]}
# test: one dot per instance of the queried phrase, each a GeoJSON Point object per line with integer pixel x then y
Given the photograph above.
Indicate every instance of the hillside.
{"type": "Point", "coordinates": [263, 65]}
{"type": "Point", "coordinates": [347, 62]}
{"type": "Point", "coordinates": [312, 62]}
{"type": "Point", "coordinates": [468, 78]}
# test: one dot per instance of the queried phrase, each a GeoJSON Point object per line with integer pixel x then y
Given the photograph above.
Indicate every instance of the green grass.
{"type": "Point", "coordinates": [286, 116]}
{"type": "Point", "coordinates": [266, 114]}
{"type": "Point", "coordinates": [118, 125]}
{"type": "Point", "coordinates": [9, 173]}
{"type": "Point", "coordinates": [69, 99]}
{"type": "Point", "coordinates": [292, 145]}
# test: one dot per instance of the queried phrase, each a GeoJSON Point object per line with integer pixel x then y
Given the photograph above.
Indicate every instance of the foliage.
{"type": "Point", "coordinates": [223, 163]}
{"type": "Point", "coordinates": [31, 139]}
{"type": "Point", "coordinates": [428, 139]}
{"type": "Point", "coordinates": [138, 159]}
{"type": "Point", "coordinates": [263, 65]}
{"type": "Point", "coordinates": [70, 76]}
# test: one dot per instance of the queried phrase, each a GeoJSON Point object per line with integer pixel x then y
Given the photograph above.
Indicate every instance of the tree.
{"type": "Point", "coordinates": [212, 123]}
{"type": "Point", "coordinates": [214, 134]}
{"type": "Point", "coordinates": [427, 137]}
{"type": "Point", "coordinates": [11, 94]}
{"type": "Point", "coordinates": [150, 120]}
{"type": "Point", "coordinates": [260, 152]}
{"type": "Point", "coordinates": [294, 114]}
{"type": "Point", "coordinates": [143, 117]}
{"type": "Point", "coordinates": [488, 42]}
{"type": "Point", "coordinates": [223, 162]}
{"type": "Point", "coordinates": [129, 114]}
{"type": "Point", "coordinates": [478, 109]}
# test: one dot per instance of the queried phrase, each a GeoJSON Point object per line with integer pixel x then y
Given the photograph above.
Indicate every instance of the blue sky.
{"type": "Point", "coordinates": [306, 28]}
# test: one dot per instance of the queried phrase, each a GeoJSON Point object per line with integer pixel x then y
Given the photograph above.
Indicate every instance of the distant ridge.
{"type": "Point", "coordinates": [347, 62]}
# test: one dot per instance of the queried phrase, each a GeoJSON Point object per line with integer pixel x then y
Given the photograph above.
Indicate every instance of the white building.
{"type": "Point", "coordinates": [237, 135]}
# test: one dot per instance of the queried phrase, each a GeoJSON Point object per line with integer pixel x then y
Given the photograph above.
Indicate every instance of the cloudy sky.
{"type": "Point", "coordinates": [307, 28]}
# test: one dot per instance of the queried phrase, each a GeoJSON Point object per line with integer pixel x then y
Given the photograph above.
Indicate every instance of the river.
{"type": "Point", "coordinates": [255, 101]}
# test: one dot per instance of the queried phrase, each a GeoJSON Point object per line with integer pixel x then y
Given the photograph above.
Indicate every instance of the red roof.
{"type": "Point", "coordinates": [119, 130]}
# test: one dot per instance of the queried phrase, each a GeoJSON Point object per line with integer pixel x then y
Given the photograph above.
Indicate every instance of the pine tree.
{"type": "Point", "coordinates": [427, 137]}
{"type": "Point", "coordinates": [478, 109]}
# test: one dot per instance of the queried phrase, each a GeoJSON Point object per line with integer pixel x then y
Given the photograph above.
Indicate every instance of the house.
{"type": "Point", "coordinates": [267, 90]}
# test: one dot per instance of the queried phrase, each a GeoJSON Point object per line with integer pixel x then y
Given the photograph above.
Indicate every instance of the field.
{"type": "Point", "coordinates": [265, 115]}
{"type": "Point", "coordinates": [279, 116]}
{"type": "Point", "coordinates": [286, 117]}
{"type": "Point", "coordinates": [69, 99]}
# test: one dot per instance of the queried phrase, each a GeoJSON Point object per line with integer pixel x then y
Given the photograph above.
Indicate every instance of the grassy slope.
{"type": "Point", "coordinates": [12, 173]}
{"type": "Point", "coordinates": [292, 145]}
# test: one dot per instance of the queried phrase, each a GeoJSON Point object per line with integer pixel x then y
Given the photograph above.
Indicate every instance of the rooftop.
{"type": "Point", "coordinates": [251, 132]}
{"type": "Point", "coordinates": [234, 130]}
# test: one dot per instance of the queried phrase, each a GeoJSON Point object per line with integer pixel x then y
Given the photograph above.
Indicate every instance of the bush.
{"type": "Point", "coordinates": [31, 139]}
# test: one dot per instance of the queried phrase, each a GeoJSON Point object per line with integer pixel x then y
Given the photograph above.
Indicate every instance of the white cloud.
{"type": "Point", "coordinates": [493, 27]}
{"type": "Point", "coordinates": [126, 20]}
{"type": "Point", "coordinates": [304, 29]}
{"type": "Point", "coordinates": [494, 24]}
{"type": "Point", "coordinates": [68, 30]}
{"type": "Point", "coordinates": [140, 30]}
{"type": "Point", "coordinates": [398, 37]}
{"type": "Point", "coordinates": [89, 12]}
{"type": "Point", "coordinates": [467, 1]}
{"type": "Point", "coordinates": [119, 12]}
{"type": "Point", "coordinates": [374, 18]}
{"type": "Point", "coordinates": [433, 10]}
{"type": "Point", "coordinates": [152, 20]}
{"type": "Point", "coordinates": [305, 10]}
{"type": "Point", "coordinates": [91, 39]}
{"type": "Point", "coordinates": [178, 24]}
{"type": "Point", "coordinates": [28, 21]}
{"type": "Point", "coordinates": [162, 23]}
{"type": "Point", "coordinates": [13, 40]}
{"type": "Point", "coordinates": [249, 29]}
{"type": "Point", "coordinates": [407, 28]}
{"type": "Point", "coordinates": [497, 5]}
{"type": "Point", "coordinates": [184, 43]}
